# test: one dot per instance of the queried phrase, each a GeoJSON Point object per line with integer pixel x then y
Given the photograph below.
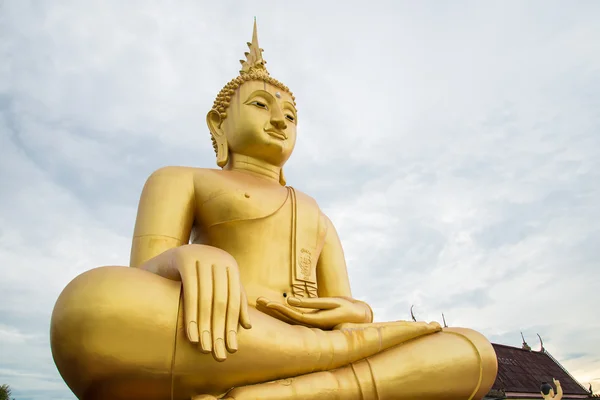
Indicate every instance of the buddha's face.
{"type": "Point", "coordinates": [260, 123]}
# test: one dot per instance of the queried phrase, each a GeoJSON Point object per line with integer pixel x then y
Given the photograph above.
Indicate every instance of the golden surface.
{"type": "Point", "coordinates": [239, 290]}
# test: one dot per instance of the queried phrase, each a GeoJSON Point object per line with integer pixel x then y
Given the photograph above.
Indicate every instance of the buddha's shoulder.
{"type": "Point", "coordinates": [194, 174]}
{"type": "Point", "coordinates": [184, 178]}
{"type": "Point", "coordinates": [305, 197]}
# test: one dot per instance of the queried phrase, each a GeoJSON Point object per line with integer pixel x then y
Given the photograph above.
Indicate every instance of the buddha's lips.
{"type": "Point", "coordinates": [277, 134]}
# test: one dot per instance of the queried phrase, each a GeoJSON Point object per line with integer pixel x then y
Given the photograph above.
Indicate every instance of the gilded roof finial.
{"type": "Point", "coordinates": [542, 349]}
{"type": "Point", "coordinates": [525, 346]}
{"type": "Point", "coordinates": [412, 315]}
{"type": "Point", "coordinates": [254, 59]}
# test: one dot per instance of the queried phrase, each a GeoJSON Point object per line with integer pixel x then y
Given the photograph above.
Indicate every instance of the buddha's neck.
{"type": "Point", "coordinates": [253, 166]}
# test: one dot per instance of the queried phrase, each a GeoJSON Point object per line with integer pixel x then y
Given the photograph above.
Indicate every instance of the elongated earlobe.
{"type": "Point", "coordinates": [222, 154]}
{"type": "Point", "coordinates": [281, 178]}
{"type": "Point", "coordinates": [213, 120]}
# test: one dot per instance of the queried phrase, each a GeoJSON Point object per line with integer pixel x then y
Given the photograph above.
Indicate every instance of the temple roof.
{"type": "Point", "coordinates": [522, 372]}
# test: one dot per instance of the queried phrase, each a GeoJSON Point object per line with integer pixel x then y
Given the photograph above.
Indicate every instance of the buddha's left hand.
{"type": "Point", "coordinates": [323, 312]}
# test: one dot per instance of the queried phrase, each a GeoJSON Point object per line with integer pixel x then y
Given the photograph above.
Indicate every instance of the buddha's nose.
{"type": "Point", "coordinates": [278, 122]}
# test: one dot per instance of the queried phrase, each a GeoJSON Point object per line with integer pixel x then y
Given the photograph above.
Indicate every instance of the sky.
{"type": "Point", "coordinates": [454, 145]}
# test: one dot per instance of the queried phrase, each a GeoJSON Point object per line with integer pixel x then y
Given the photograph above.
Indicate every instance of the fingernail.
{"type": "Point", "coordinates": [219, 352]}
{"type": "Point", "coordinates": [261, 300]}
{"type": "Point", "coordinates": [193, 331]}
{"type": "Point", "coordinates": [294, 301]}
{"type": "Point", "coordinates": [232, 343]}
{"type": "Point", "coordinates": [206, 342]}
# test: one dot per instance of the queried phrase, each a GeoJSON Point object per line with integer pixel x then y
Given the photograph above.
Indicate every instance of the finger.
{"type": "Point", "coordinates": [190, 305]}
{"type": "Point", "coordinates": [205, 283]}
{"type": "Point", "coordinates": [262, 301]}
{"type": "Point", "coordinates": [288, 312]}
{"type": "Point", "coordinates": [219, 313]}
{"type": "Point", "coordinates": [277, 315]}
{"type": "Point", "coordinates": [316, 303]}
{"type": "Point", "coordinates": [233, 310]}
{"type": "Point", "coordinates": [244, 314]}
{"type": "Point", "coordinates": [319, 319]}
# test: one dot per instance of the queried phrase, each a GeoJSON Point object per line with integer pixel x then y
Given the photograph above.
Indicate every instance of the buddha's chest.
{"type": "Point", "coordinates": [263, 249]}
{"type": "Point", "coordinates": [276, 235]}
{"type": "Point", "coordinates": [240, 200]}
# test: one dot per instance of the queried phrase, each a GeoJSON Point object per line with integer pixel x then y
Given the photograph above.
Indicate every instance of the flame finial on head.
{"type": "Point", "coordinates": [254, 59]}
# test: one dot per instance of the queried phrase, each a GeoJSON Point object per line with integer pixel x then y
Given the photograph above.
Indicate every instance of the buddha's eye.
{"type": "Point", "coordinates": [290, 118]}
{"type": "Point", "coordinates": [260, 105]}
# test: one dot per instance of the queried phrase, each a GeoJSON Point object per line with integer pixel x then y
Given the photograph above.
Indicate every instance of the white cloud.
{"type": "Point", "coordinates": [457, 152]}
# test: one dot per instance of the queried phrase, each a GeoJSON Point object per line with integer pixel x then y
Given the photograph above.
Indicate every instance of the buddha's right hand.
{"type": "Point", "coordinates": [214, 301]}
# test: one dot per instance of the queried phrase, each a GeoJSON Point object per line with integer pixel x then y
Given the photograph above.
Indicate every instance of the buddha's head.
{"type": "Point", "coordinates": [254, 115]}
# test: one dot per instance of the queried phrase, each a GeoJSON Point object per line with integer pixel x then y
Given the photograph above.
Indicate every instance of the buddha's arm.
{"type": "Point", "coordinates": [332, 274]}
{"type": "Point", "coordinates": [165, 214]}
{"type": "Point", "coordinates": [209, 276]}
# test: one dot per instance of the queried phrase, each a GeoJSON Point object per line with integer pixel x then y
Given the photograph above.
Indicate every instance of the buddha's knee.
{"type": "Point", "coordinates": [483, 355]}
{"type": "Point", "coordinates": [113, 321]}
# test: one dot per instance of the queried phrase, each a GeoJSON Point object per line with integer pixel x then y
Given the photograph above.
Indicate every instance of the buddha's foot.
{"type": "Point", "coordinates": [395, 329]}
{"type": "Point", "coordinates": [457, 364]}
{"type": "Point", "coordinates": [318, 385]}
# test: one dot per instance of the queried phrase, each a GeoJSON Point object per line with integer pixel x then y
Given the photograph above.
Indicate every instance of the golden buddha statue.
{"type": "Point", "coordinates": [238, 289]}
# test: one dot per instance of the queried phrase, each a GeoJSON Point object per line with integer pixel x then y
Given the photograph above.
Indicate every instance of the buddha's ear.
{"type": "Point", "coordinates": [281, 178]}
{"type": "Point", "coordinates": [214, 122]}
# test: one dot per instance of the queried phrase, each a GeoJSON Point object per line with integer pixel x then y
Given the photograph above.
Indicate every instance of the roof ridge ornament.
{"type": "Point", "coordinates": [542, 349]}
{"type": "Point", "coordinates": [525, 346]}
